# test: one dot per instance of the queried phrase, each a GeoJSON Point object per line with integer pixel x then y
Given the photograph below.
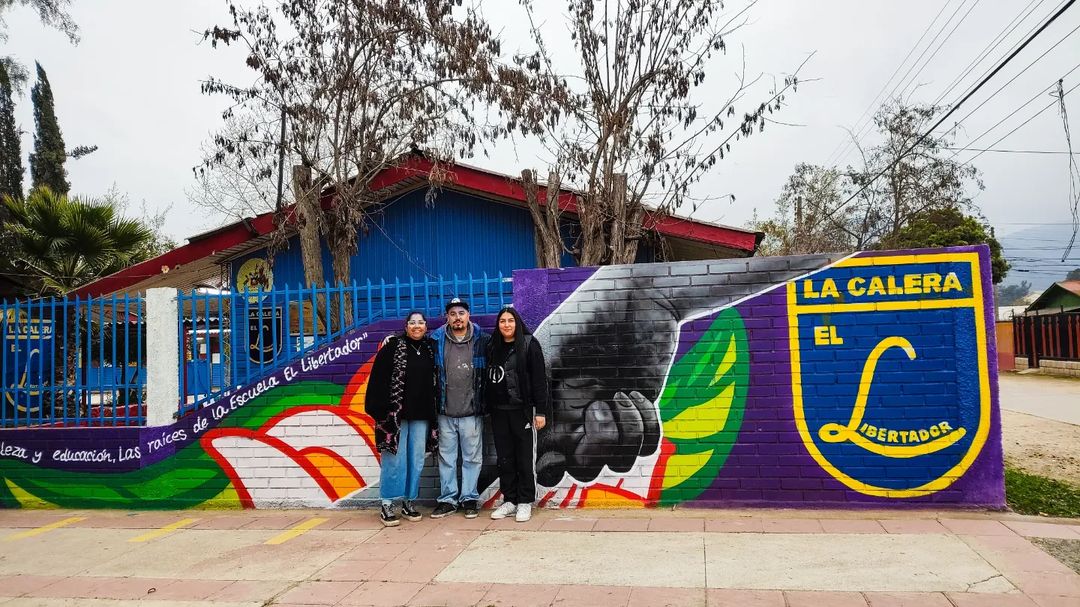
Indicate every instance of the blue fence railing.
{"type": "Point", "coordinates": [229, 339]}
{"type": "Point", "coordinates": [73, 362]}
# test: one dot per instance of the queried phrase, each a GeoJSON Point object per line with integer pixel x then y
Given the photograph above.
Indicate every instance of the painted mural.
{"type": "Point", "coordinates": [815, 380]}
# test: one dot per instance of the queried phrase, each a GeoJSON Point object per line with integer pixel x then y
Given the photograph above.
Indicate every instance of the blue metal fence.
{"type": "Point", "coordinates": [229, 339]}
{"type": "Point", "coordinates": [73, 362]}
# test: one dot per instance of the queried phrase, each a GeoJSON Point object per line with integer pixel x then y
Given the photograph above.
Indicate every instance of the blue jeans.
{"type": "Point", "coordinates": [464, 435]}
{"type": "Point", "coordinates": [400, 474]}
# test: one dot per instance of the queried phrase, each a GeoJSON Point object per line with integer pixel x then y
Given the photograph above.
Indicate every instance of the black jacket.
{"type": "Point", "coordinates": [378, 402]}
{"type": "Point", "coordinates": [529, 385]}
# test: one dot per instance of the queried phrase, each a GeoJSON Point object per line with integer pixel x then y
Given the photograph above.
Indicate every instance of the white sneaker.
{"type": "Point", "coordinates": [503, 511]}
{"type": "Point", "coordinates": [524, 513]}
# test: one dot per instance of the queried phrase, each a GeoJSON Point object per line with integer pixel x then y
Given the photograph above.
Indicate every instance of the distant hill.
{"type": "Point", "coordinates": [1035, 255]}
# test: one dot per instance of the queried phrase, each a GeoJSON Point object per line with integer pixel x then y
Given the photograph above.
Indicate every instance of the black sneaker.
{"type": "Point", "coordinates": [410, 513]}
{"type": "Point", "coordinates": [443, 509]}
{"type": "Point", "coordinates": [472, 509]}
{"type": "Point", "coordinates": [389, 519]}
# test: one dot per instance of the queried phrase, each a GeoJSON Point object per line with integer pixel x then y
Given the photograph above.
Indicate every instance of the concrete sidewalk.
{"type": "Point", "coordinates": [731, 557]}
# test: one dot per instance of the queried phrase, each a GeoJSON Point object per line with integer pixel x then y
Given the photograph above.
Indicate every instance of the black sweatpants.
{"type": "Point", "coordinates": [513, 431]}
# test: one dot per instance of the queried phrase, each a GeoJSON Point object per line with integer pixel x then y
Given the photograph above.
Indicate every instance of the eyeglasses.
{"type": "Point", "coordinates": [413, 323]}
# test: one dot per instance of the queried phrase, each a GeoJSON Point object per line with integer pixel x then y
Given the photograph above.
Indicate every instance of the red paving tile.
{"type": "Point", "coordinates": [621, 524]}
{"type": "Point", "coordinates": [403, 534]}
{"type": "Point", "coordinates": [458, 522]}
{"type": "Point", "coordinates": [964, 526]}
{"type": "Point", "coordinates": [382, 594]}
{"type": "Point", "coordinates": [374, 552]}
{"type": "Point", "coordinates": [1013, 554]}
{"type": "Point", "coordinates": [974, 599]}
{"type": "Point", "coordinates": [277, 521]}
{"type": "Point", "coordinates": [16, 585]}
{"type": "Point", "coordinates": [850, 526]}
{"type": "Point", "coordinates": [569, 524]}
{"type": "Point", "coordinates": [520, 595]}
{"type": "Point", "coordinates": [791, 525]}
{"type": "Point", "coordinates": [820, 599]}
{"type": "Point", "coordinates": [912, 526]}
{"type": "Point", "coordinates": [907, 599]}
{"type": "Point", "coordinates": [129, 588]}
{"type": "Point", "coordinates": [727, 597]}
{"type": "Point", "coordinates": [509, 524]}
{"type": "Point", "coordinates": [420, 571]}
{"type": "Point", "coordinates": [1027, 529]}
{"type": "Point", "coordinates": [677, 524]}
{"type": "Point", "coordinates": [355, 523]}
{"type": "Point", "coordinates": [1045, 600]}
{"type": "Point", "coordinates": [346, 571]}
{"type": "Point", "coordinates": [31, 519]}
{"type": "Point", "coordinates": [734, 525]}
{"type": "Point", "coordinates": [450, 594]}
{"type": "Point", "coordinates": [591, 596]}
{"type": "Point", "coordinates": [667, 597]}
{"type": "Point", "coordinates": [222, 522]}
{"type": "Point", "coordinates": [67, 588]}
{"type": "Point", "coordinates": [318, 593]}
{"type": "Point", "coordinates": [247, 590]}
{"type": "Point", "coordinates": [188, 590]}
{"type": "Point", "coordinates": [151, 520]}
{"type": "Point", "coordinates": [1047, 582]}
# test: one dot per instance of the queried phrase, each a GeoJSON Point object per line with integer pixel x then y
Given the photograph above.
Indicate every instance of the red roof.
{"type": "Point", "coordinates": [414, 169]}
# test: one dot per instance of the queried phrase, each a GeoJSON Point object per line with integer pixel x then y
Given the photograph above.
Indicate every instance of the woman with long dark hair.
{"type": "Point", "coordinates": [401, 399]}
{"type": "Point", "coordinates": [517, 397]}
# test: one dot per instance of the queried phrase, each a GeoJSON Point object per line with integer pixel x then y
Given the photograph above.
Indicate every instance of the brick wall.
{"type": "Point", "coordinates": [807, 381]}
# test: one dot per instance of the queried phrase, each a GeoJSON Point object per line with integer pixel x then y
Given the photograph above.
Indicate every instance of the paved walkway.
{"type": "Point", "coordinates": [596, 558]}
{"type": "Point", "coordinates": [1054, 398]}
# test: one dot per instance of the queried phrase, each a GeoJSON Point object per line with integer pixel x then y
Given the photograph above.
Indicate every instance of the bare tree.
{"type": "Point", "coordinates": [641, 131]}
{"type": "Point", "coordinates": [360, 84]}
{"type": "Point", "coordinates": [245, 186]}
{"type": "Point", "coordinates": [832, 210]}
{"type": "Point", "coordinates": [803, 222]}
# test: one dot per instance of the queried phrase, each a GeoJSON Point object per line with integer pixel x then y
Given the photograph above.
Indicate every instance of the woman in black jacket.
{"type": "Point", "coordinates": [401, 400]}
{"type": "Point", "coordinates": [517, 397]}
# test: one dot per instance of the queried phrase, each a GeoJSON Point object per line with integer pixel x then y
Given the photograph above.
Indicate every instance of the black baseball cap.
{"type": "Point", "coordinates": [457, 302]}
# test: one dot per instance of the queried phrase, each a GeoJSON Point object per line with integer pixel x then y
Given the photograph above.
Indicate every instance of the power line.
{"type": "Point", "coordinates": [858, 124]}
{"type": "Point", "coordinates": [1018, 74]}
{"type": "Point", "coordinates": [938, 49]}
{"type": "Point", "coordinates": [955, 107]}
{"type": "Point", "coordinates": [1008, 151]}
{"type": "Point", "coordinates": [990, 47]}
{"type": "Point", "coordinates": [1006, 135]}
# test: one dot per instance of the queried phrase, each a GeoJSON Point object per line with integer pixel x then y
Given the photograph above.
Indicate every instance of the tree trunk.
{"type": "Point", "coordinates": [594, 246]}
{"type": "Point", "coordinates": [307, 210]}
{"type": "Point", "coordinates": [545, 221]}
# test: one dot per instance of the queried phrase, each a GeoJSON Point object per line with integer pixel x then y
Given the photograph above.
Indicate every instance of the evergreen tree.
{"type": "Point", "coordinates": [47, 161]}
{"type": "Point", "coordinates": [11, 169]}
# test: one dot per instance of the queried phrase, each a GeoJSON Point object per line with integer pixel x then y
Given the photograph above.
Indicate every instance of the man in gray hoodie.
{"type": "Point", "coordinates": [461, 345]}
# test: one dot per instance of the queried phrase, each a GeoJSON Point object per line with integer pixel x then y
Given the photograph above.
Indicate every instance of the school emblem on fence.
{"type": "Point", "coordinates": [885, 398]}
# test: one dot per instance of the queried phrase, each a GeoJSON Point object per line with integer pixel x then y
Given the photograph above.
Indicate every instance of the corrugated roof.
{"type": "Point", "coordinates": [197, 261]}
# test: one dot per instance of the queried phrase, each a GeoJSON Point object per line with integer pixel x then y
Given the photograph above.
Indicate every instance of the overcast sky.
{"type": "Point", "coordinates": [132, 87]}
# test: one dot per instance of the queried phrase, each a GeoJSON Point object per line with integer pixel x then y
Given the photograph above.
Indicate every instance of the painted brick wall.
{"type": "Point", "coordinates": [868, 380]}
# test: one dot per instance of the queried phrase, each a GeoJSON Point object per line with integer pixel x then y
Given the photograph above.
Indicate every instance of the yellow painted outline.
{"type": "Point", "coordinates": [166, 530]}
{"type": "Point", "coordinates": [976, 302]}
{"type": "Point", "coordinates": [45, 528]}
{"type": "Point", "coordinates": [296, 531]}
{"type": "Point", "coordinates": [840, 433]}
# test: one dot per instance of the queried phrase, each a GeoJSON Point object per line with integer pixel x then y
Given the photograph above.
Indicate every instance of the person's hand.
{"type": "Point", "coordinates": [539, 421]}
